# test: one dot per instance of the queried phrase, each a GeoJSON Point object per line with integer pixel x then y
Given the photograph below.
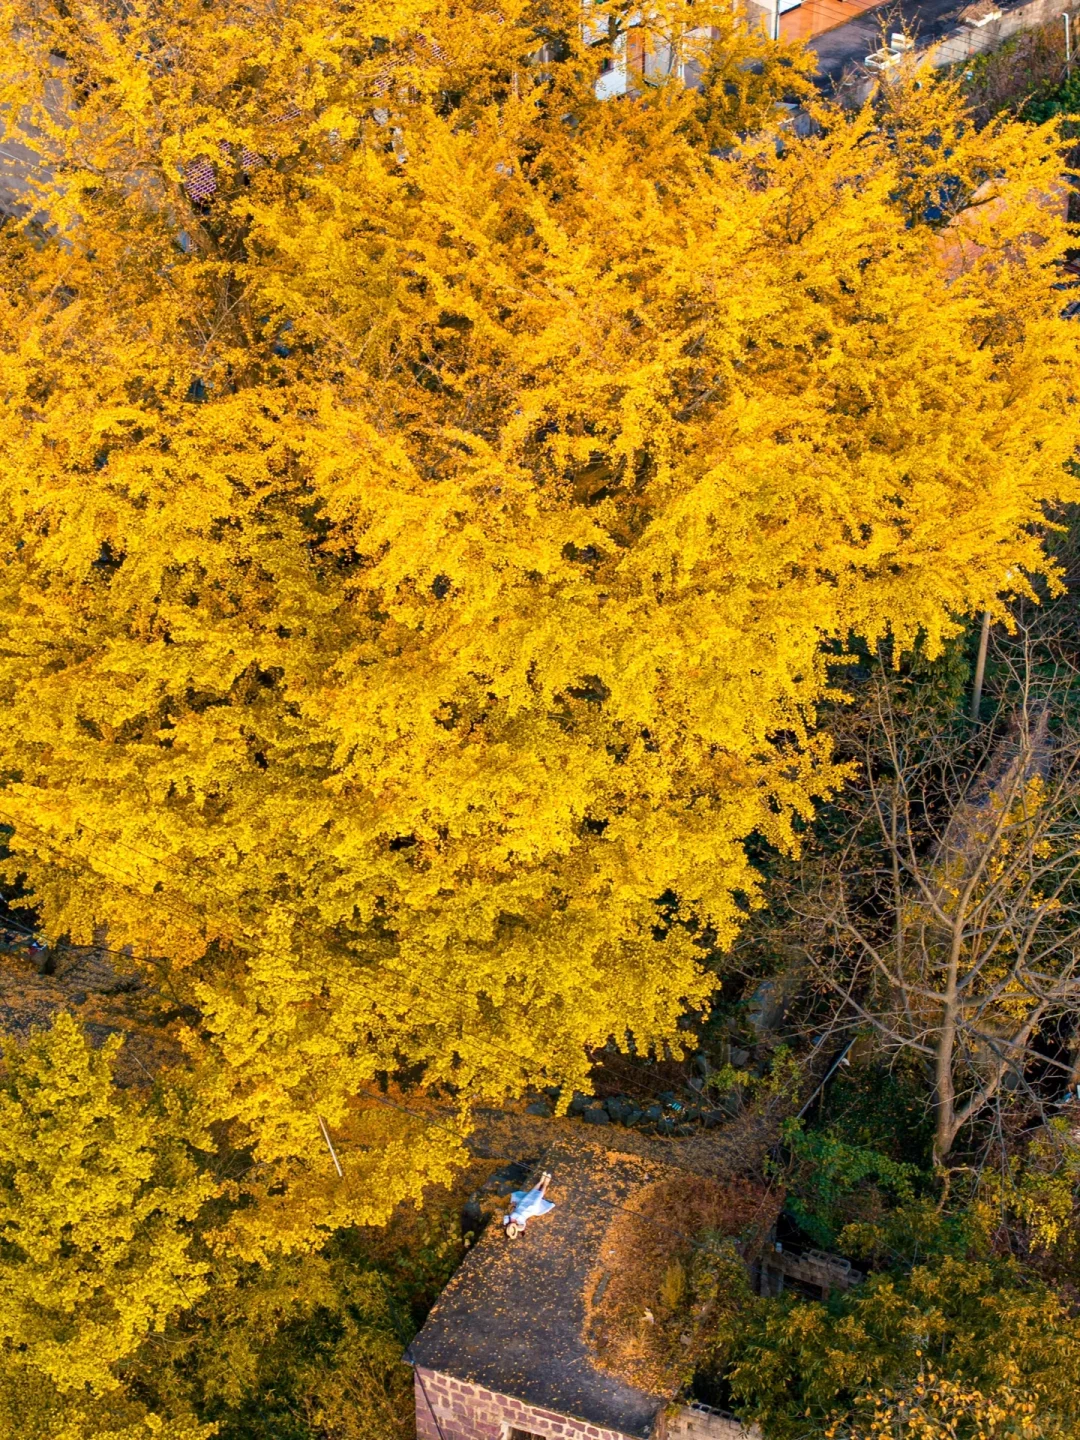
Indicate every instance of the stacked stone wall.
{"type": "Point", "coordinates": [701, 1422]}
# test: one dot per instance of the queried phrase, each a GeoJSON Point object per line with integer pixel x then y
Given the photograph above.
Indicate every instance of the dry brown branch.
{"type": "Point", "coordinates": [945, 916]}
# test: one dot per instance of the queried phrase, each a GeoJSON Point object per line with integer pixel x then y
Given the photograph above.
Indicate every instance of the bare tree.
{"type": "Point", "coordinates": [945, 914]}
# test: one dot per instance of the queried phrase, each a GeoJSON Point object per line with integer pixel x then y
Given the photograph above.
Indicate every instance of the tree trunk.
{"type": "Point", "coordinates": [944, 1088]}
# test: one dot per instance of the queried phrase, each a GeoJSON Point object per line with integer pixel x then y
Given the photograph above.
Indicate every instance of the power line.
{"type": "Point", "coordinates": [7, 922]}
{"type": "Point", "coordinates": [427, 1402]}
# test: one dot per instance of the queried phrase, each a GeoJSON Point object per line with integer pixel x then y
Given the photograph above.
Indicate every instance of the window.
{"type": "Point", "coordinates": [524, 1435]}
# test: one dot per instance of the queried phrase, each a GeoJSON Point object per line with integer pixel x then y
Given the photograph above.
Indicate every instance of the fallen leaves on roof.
{"type": "Point", "coordinates": [649, 1295]}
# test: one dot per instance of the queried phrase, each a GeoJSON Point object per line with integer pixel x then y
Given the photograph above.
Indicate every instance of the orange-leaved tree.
{"type": "Point", "coordinates": [427, 494]}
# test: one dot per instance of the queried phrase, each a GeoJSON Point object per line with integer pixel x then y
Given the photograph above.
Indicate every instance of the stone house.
{"type": "Point", "coordinates": [509, 1351]}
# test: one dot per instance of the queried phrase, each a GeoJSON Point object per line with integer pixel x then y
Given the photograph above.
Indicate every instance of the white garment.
{"type": "Point", "coordinates": [526, 1204]}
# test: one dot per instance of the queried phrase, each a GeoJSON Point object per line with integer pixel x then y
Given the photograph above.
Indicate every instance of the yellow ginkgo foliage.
{"type": "Point", "coordinates": [33, 1409]}
{"type": "Point", "coordinates": [96, 1195]}
{"type": "Point", "coordinates": [428, 492]}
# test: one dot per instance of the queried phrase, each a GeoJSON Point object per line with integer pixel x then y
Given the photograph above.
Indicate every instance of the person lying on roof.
{"type": "Point", "coordinates": [526, 1204]}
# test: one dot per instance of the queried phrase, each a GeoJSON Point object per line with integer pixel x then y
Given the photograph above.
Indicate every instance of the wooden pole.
{"type": "Point", "coordinates": [980, 666]}
{"type": "Point", "coordinates": [333, 1155]}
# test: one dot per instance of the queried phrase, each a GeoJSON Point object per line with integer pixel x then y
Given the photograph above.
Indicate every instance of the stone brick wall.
{"type": "Point", "coordinates": [448, 1409]}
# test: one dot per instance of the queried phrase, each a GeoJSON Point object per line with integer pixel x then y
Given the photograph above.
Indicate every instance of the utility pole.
{"type": "Point", "coordinates": [1068, 44]}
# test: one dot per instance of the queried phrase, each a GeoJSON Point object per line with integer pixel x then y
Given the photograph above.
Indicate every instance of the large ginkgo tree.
{"type": "Point", "coordinates": [428, 494]}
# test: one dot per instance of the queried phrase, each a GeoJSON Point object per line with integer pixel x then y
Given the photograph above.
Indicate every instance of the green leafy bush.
{"type": "Point", "coordinates": [804, 1369]}
{"type": "Point", "coordinates": [834, 1183]}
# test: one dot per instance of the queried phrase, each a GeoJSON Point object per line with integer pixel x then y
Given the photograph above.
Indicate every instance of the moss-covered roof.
{"type": "Point", "coordinates": [513, 1317]}
{"type": "Point", "coordinates": [570, 1317]}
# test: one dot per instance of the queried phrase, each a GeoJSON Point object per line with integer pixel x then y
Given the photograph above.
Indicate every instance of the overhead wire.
{"type": "Point", "coordinates": [8, 922]}
{"type": "Point", "coordinates": [427, 1402]}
